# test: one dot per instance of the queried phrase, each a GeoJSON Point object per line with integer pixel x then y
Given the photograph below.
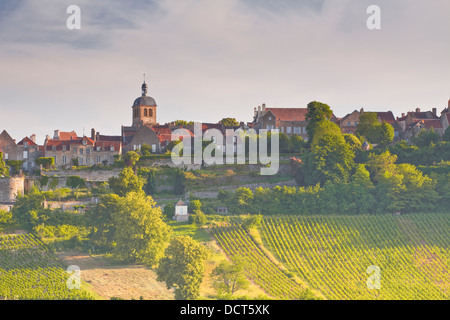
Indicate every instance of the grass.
{"type": "Point", "coordinates": [188, 229]}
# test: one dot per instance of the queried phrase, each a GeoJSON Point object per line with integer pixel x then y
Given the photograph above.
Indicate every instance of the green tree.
{"type": "Point", "coordinates": [379, 164]}
{"type": "Point", "coordinates": [141, 235]}
{"type": "Point", "coordinates": [385, 134]}
{"type": "Point", "coordinates": [228, 278]}
{"type": "Point", "coordinates": [330, 157]}
{"type": "Point", "coordinates": [130, 158]}
{"type": "Point", "coordinates": [126, 182]}
{"type": "Point", "coordinates": [368, 121]}
{"type": "Point", "coordinates": [169, 211]}
{"type": "Point", "coordinates": [146, 150]}
{"type": "Point", "coordinates": [354, 143]}
{"type": "Point", "coordinates": [446, 136]}
{"type": "Point", "coordinates": [4, 170]}
{"type": "Point", "coordinates": [229, 122]}
{"type": "Point", "coordinates": [252, 221]}
{"type": "Point", "coordinates": [317, 112]}
{"type": "Point", "coordinates": [199, 218]}
{"type": "Point", "coordinates": [28, 211]}
{"type": "Point", "coordinates": [183, 123]}
{"type": "Point", "coordinates": [426, 138]}
{"type": "Point", "coordinates": [195, 205]}
{"type": "Point", "coordinates": [15, 165]}
{"type": "Point", "coordinates": [47, 163]}
{"type": "Point", "coordinates": [179, 187]}
{"type": "Point", "coordinates": [100, 221]}
{"type": "Point", "coordinates": [296, 143]}
{"type": "Point", "coordinates": [150, 186]}
{"type": "Point", "coordinates": [183, 267]}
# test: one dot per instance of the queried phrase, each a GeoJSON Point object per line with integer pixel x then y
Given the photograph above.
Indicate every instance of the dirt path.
{"type": "Point", "coordinates": [121, 281]}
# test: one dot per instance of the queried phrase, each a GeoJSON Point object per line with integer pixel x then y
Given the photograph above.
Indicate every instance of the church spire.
{"type": "Point", "coordinates": [144, 88]}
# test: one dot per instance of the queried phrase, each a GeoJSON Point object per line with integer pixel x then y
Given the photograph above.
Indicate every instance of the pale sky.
{"type": "Point", "coordinates": [210, 59]}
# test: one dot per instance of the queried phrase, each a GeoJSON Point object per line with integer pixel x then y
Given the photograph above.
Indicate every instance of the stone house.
{"type": "Point", "coordinates": [181, 212]}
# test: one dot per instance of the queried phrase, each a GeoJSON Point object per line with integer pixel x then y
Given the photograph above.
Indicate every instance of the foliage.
{"type": "Point", "coordinates": [130, 158]}
{"type": "Point", "coordinates": [194, 205]}
{"type": "Point", "coordinates": [140, 233]}
{"type": "Point", "coordinates": [15, 165]}
{"type": "Point", "coordinates": [426, 138]}
{"type": "Point", "coordinates": [317, 112]}
{"type": "Point", "coordinates": [4, 170]}
{"type": "Point", "coordinates": [229, 278]}
{"type": "Point", "coordinates": [183, 267]}
{"type": "Point", "coordinates": [126, 182]}
{"type": "Point", "coordinates": [374, 131]}
{"type": "Point", "coordinates": [28, 211]}
{"type": "Point", "coordinates": [183, 123]}
{"type": "Point", "coordinates": [150, 185]}
{"type": "Point", "coordinates": [5, 218]}
{"type": "Point", "coordinates": [169, 210]}
{"type": "Point", "coordinates": [229, 122]}
{"type": "Point", "coordinates": [47, 163]}
{"type": "Point", "coordinates": [146, 150]}
{"type": "Point", "coordinates": [75, 182]}
{"type": "Point", "coordinates": [179, 187]}
{"type": "Point", "coordinates": [252, 221]}
{"type": "Point", "coordinates": [198, 218]}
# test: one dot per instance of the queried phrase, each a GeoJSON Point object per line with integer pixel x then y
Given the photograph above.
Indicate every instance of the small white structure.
{"type": "Point", "coordinates": [181, 212]}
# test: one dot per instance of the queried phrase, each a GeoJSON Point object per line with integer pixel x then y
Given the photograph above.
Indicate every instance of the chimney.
{"type": "Point", "coordinates": [417, 109]}
{"type": "Point", "coordinates": [33, 138]}
{"type": "Point", "coordinates": [93, 137]}
{"type": "Point", "coordinates": [435, 111]}
{"type": "Point", "coordinates": [47, 137]}
{"type": "Point", "coordinates": [361, 111]}
{"type": "Point", "coordinates": [263, 107]}
{"type": "Point", "coordinates": [56, 135]}
{"type": "Point", "coordinates": [254, 109]}
{"type": "Point", "coordinates": [403, 115]}
{"type": "Point", "coordinates": [259, 110]}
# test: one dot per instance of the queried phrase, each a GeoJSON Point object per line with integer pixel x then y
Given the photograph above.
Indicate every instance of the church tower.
{"type": "Point", "coordinates": [144, 109]}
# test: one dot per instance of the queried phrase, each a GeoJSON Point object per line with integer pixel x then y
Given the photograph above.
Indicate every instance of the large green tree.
{"type": "Point", "coordinates": [317, 112]}
{"type": "Point", "coordinates": [229, 122]}
{"type": "Point", "coordinates": [140, 235]}
{"type": "Point", "coordinates": [183, 267]}
{"type": "Point", "coordinates": [127, 181]}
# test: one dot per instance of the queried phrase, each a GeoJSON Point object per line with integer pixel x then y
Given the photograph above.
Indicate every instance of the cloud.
{"type": "Point", "coordinates": [207, 59]}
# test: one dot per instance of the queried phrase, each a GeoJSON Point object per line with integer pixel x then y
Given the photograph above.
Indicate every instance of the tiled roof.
{"type": "Point", "coordinates": [386, 116]}
{"type": "Point", "coordinates": [289, 114]}
{"type": "Point", "coordinates": [30, 142]}
{"type": "Point", "coordinates": [68, 135]}
{"type": "Point", "coordinates": [432, 123]}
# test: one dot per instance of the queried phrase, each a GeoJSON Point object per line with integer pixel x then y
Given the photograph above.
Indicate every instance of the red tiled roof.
{"type": "Point", "coordinates": [68, 135]}
{"type": "Point", "coordinates": [30, 142]}
{"type": "Point", "coordinates": [289, 114]}
{"type": "Point", "coordinates": [109, 138]}
{"type": "Point", "coordinates": [432, 123]}
{"type": "Point", "coordinates": [386, 116]}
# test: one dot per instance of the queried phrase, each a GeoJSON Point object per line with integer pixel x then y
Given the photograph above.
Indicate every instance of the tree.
{"type": "Point", "coordinates": [172, 144]}
{"type": "Point", "coordinates": [296, 143]}
{"type": "Point", "coordinates": [182, 267]}
{"type": "Point", "coordinates": [199, 218]}
{"type": "Point", "coordinates": [130, 158]}
{"type": "Point", "coordinates": [183, 123]}
{"type": "Point", "coordinates": [126, 182]}
{"type": "Point", "coordinates": [195, 205]}
{"type": "Point", "coordinates": [169, 210]}
{"type": "Point", "coordinates": [101, 222]}
{"type": "Point", "coordinates": [229, 278]}
{"type": "Point", "coordinates": [252, 221]}
{"type": "Point", "coordinates": [330, 157]}
{"type": "Point", "coordinates": [379, 164]}
{"type": "Point", "coordinates": [28, 211]}
{"type": "Point", "coordinates": [426, 138]}
{"type": "Point", "coordinates": [4, 170]}
{"type": "Point", "coordinates": [15, 165]}
{"type": "Point", "coordinates": [385, 134]}
{"type": "Point", "coordinates": [150, 186]}
{"type": "Point", "coordinates": [354, 143]}
{"type": "Point", "coordinates": [446, 136]}
{"type": "Point", "coordinates": [229, 122]}
{"type": "Point", "coordinates": [47, 163]}
{"type": "Point", "coordinates": [146, 150]}
{"type": "Point", "coordinates": [375, 132]}
{"type": "Point", "coordinates": [141, 235]}
{"type": "Point", "coordinates": [317, 112]}
{"type": "Point", "coordinates": [178, 188]}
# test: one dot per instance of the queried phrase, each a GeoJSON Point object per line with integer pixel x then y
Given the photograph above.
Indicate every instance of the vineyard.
{"type": "Point", "coordinates": [237, 243]}
{"type": "Point", "coordinates": [29, 271]}
{"type": "Point", "coordinates": [332, 254]}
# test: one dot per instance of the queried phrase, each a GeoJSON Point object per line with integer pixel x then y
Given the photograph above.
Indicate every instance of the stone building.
{"type": "Point", "coordinates": [10, 188]}
{"type": "Point", "coordinates": [26, 150]}
{"type": "Point", "coordinates": [69, 149]}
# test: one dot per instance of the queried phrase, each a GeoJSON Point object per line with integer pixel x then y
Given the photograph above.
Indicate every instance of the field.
{"type": "Point", "coordinates": [332, 254]}
{"type": "Point", "coordinates": [28, 271]}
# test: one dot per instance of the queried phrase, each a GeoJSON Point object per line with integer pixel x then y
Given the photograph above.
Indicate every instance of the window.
{"type": "Point", "coordinates": [150, 113]}
{"type": "Point", "coordinates": [88, 151]}
{"type": "Point", "coordinates": [153, 148]}
{"type": "Point", "coordinates": [98, 159]}
{"type": "Point", "coordinates": [99, 149]}
{"type": "Point", "coordinates": [288, 130]}
{"type": "Point", "coordinates": [145, 112]}
{"type": "Point", "coordinates": [81, 151]}
{"type": "Point", "coordinates": [112, 148]}
{"type": "Point", "coordinates": [64, 159]}
{"type": "Point", "coordinates": [75, 150]}
{"type": "Point", "coordinates": [25, 144]}
{"type": "Point", "coordinates": [53, 148]}
{"type": "Point", "coordinates": [80, 161]}
{"type": "Point", "coordinates": [64, 148]}
{"type": "Point", "coordinates": [84, 142]}
{"type": "Point", "coordinates": [25, 154]}
{"type": "Point", "coordinates": [88, 161]}
{"type": "Point", "coordinates": [6, 156]}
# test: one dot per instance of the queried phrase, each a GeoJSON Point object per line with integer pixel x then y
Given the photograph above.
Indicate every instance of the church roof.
{"type": "Point", "coordinates": [144, 101]}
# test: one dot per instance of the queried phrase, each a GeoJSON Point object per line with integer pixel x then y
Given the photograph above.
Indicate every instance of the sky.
{"type": "Point", "coordinates": [209, 59]}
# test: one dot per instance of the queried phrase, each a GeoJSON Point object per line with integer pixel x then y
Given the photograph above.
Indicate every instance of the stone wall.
{"type": "Point", "coordinates": [10, 188]}
{"type": "Point", "coordinates": [88, 175]}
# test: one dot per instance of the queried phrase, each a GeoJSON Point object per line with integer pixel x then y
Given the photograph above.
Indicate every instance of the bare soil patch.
{"type": "Point", "coordinates": [109, 280]}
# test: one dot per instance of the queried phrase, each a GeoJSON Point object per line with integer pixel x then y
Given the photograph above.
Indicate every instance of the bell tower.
{"type": "Point", "coordinates": [144, 109]}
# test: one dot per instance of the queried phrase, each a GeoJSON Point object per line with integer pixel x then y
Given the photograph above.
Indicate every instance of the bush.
{"type": "Point", "coordinates": [75, 182]}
